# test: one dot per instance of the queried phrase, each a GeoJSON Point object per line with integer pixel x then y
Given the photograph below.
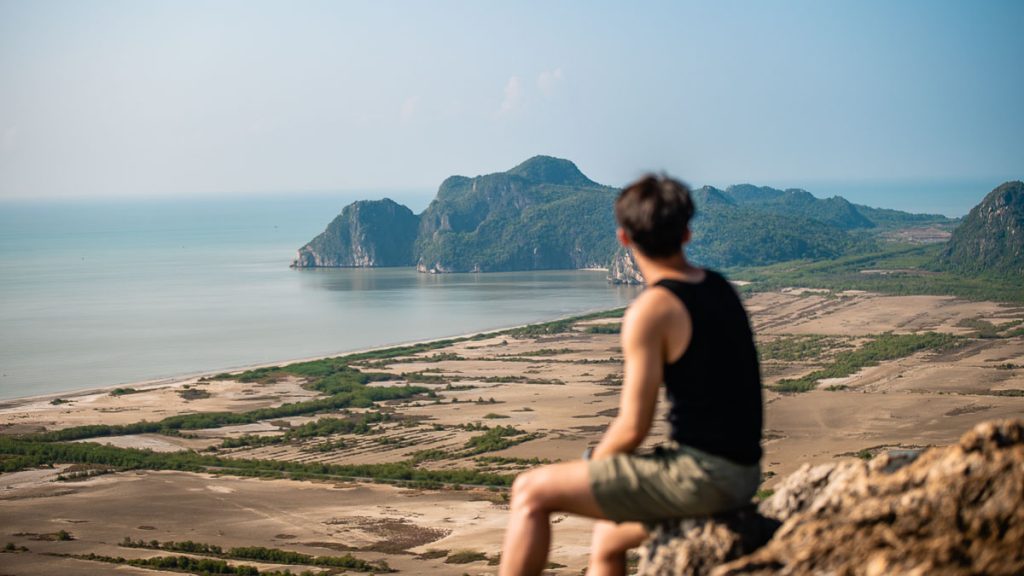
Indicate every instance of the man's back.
{"type": "Point", "coordinates": [715, 386]}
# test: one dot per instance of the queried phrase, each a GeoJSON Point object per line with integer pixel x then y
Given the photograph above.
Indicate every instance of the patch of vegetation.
{"type": "Point", "coordinates": [500, 460]}
{"type": "Point", "coordinates": [59, 401]}
{"type": "Point", "coordinates": [887, 346]}
{"type": "Point", "coordinates": [328, 446]}
{"type": "Point", "coordinates": [543, 329]}
{"type": "Point", "coordinates": [982, 328]}
{"type": "Point", "coordinates": [261, 554]}
{"type": "Point", "coordinates": [521, 380]}
{"type": "Point", "coordinates": [352, 394]}
{"type": "Point", "coordinates": [83, 472]}
{"type": "Point", "coordinates": [432, 454]}
{"type": "Point", "coordinates": [58, 536]}
{"type": "Point", "coordinates": [12, 548]}
{"type": "Point", "coordinates": [465, 557]}
{"type": "Point", "coordinates": [433, 554]}
{"type": "Point", "coordinates": [198, 566]}
{"type": "Point", "coordinates": [797, 348]}
{"type": "Point", "coordinates": [190, 394]}
{"type": "Point", "coordinates": [1009, 392]}
{"type": "Point", "coordinates": [493, 416]}
{"type": "Point", "coordinates": [497, 438]}
{"type": "Point", "coordinates": [423, 377]}
{"type": "Point", "coordinates": [604, 328]}
{"type": "Point", "coordinates": [561, 326]}
{"type": "Point", "coordinates": [20, 454]}
{"type": "Point", "coordinates": [360, 424]}
{"type": "Point", "coordinates": [124, 391]}
{"type": "Point", "coordinates": [549, 352]}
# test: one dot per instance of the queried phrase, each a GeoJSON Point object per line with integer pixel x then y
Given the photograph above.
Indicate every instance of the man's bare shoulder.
{"type": "Point", "coordinates": [655, 308]}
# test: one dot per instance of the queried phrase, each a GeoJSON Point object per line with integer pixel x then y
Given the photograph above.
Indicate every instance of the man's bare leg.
{"type": "Point", "coordinates": [609, 545]}
{"type": "Point", "coordinates": [563, 487]}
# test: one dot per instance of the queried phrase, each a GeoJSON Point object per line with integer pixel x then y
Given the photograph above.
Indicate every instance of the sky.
{"type": "Point", "coordinates": [150, 98]}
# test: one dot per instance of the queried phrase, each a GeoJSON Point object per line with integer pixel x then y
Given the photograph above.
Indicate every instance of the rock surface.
{"type": "Point", "coordinates": [954, 510]}
{"type": "Point", "coordinates": [623, 269]}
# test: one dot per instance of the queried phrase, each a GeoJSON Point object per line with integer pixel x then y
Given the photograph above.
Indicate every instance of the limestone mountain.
{"type": "Point", "coordinates": [991, 238]}
{"type": "Point", "coordinates": [542, 214]}
{"type": "Point", "coordinates": [546, 214]}
{"type": "Point", "coordinates": [367, 233]}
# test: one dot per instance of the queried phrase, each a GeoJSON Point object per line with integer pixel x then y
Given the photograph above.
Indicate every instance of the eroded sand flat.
{"type": "Point", "coordinates": [312, 518]}
{"type": "Point", "coordinates": [559, 391]}
{"type": "Point", "coordinates": [149, 403]}
{"type": "Point", "coordinates": [860, 314]}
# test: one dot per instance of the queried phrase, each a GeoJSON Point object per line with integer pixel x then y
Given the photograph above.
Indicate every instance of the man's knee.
{"type": "Point", "coordinates": [528, 491]}
{"type": "Point", "coordinates": [603, 544]}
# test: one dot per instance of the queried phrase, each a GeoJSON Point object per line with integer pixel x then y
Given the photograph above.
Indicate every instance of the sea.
{"type": "Point", "coordinates": [97, 293]}
{"type": "Point", "coordinates": [109, 292]}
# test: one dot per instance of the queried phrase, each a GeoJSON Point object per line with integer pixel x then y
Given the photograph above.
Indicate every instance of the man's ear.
{"type": "Point", "coordinates": [622, 236]}
{"type": "Point", "coordinates": [686, 236]}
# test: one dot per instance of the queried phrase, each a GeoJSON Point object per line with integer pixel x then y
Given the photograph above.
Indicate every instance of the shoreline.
{"type": "Point", "coordinates": [156, 383]}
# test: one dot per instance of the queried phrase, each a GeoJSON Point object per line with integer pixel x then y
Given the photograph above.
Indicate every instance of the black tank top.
{"type": "Point", "coordinates": [715, 386]}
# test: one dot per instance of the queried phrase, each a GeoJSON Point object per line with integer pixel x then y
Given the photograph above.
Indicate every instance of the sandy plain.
{"type": "Point", "coordinates": [560, 388]}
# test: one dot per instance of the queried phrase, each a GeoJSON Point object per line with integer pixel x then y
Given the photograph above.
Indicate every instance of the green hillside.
{"type": "Point", "coordinates": [990, 241]}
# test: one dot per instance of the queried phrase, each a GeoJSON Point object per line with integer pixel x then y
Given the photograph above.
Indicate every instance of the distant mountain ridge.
{"type": "Point", "coordinates": [546, 214]}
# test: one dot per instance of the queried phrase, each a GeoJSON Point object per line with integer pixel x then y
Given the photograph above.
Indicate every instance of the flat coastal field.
{"type": "Point", "coordinates": [400, 459]}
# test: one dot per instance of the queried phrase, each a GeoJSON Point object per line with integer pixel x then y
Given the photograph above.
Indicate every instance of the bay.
{"type": "Point", "coordinates": [104, 293]}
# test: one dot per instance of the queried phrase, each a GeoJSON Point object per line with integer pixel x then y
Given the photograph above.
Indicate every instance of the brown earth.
{"type": "Point", "coordinates": [562, 388]}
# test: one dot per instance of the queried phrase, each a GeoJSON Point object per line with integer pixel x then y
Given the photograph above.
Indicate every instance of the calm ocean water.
{"type": "Point", "coordinates": [104, 293]}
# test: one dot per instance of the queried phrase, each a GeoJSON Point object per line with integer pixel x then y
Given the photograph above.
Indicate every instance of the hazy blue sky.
{"type": "Point", "coordinates": [140, 98]}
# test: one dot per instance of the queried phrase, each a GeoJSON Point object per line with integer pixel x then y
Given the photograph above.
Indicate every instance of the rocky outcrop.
{"type": "Point", "coordinates": [954, 510]}
{"type": "Point", "coordinates": [367, 233]}
{"type": "Point", "coordinates": [623, 269]}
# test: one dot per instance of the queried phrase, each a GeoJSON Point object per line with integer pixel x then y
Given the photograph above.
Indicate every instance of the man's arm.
{"type": "Point", "coordinates": [643, 347]}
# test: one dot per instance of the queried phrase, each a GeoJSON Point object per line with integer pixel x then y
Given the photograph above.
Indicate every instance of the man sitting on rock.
{"type": "Point", "coordinates": [689, 330]}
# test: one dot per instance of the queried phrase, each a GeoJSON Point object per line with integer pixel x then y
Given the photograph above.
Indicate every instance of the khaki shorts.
{"type": "Point", "coordinates": [672, 482]}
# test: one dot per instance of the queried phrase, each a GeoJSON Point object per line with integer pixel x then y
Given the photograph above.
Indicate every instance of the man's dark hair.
{"type": "Point", "coordinates": [655, 212]}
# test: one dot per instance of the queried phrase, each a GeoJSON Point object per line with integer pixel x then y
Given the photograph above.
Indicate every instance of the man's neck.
{"type": "Point", "coordinates": [675, 267]}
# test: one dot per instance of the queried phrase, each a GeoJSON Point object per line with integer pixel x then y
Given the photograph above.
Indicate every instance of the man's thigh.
{"type": "Point", "coordinates": [562, 487]}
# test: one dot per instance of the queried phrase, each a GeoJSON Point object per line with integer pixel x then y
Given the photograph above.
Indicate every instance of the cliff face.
{"type": "Point", "coordinates": [954, 510]}
{"type": "Point", "coordinates": [991, 237]}
{"type": "Point", "coordinates": [623, 269]}
{"type": "Point", "coordinates": [366, 234]}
